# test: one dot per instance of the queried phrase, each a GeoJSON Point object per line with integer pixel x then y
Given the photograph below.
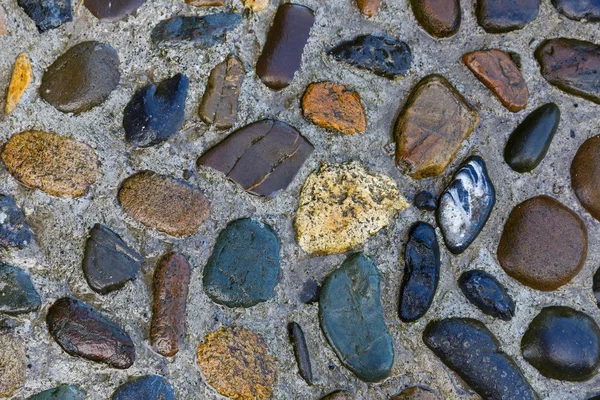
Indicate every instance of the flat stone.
{"type": "Point", "coordinates": [466, 205]}
{"type": "Point", "coordinates": [468, 348]}
{"type": "Point", "coordinates": [563, 344]}
{"type": "Point", "coordinates": [57, 165]}
{"type": "Point", "coordinates": [243, 269]}
{"type": "Point", "coordinates": [416, 393]}
{"type": "Point", "coordinates": [108, 263]}
{"type": "Point", "coordinates": [17, 293]}
{"type": "Point", "coordinates": [486, 293]}
{"type": "Point", "coordinates": [382, 55]}
{"type": "Point", "coordinates": [112, 10]}
{"type": "Point", "coordinates": [351, 316]}
{"type": "Point", "coordinates": [571, 65]}
{"type": "Point", "coordinates": [204, 3]}
{"type": "Point", "coordinates": [368, 8]}
{"type": "Point", "coordinates": [69, 90]}
{"type": "Point", "coordinates": [544, 244]}
{"type": "Point", "coordinates": [12, 364]}
{"type": "Point", "coordinates": [163, 203]}
{"type": "Point", "coordinates": [83, 332]}
{"type": "Point", "coordinates": [62, 392]}
{"type": "Point", "coordinates": [439, 18]}
{"type": "Point", "coordinates": [497, 71]}
{"type": "Point", "coordinates": [21, 79]}
{"type": "Point", "coordinates": [236, 363]}
{"type": "Point", "coordinates": [155, 112]}
{"type": "Point", "coordinates": [432, 125]}
{"type": "Point", "coordinates": [262, 157]}
{"type": "Point", "coordinates": [147, 387]}
{"type": "Point", "coordinates": [421, 274]}
{"type": "Point", "coordinates": [256, 5]}
{"type": "Point", "coordinates": [339, 395]}
{"type": "Point", "coordinates": [204, 32]}
{"type": "Point", "coordinates": [342, 205]}
{"type": "Point", "coordinates": [47, 14]}
{"type": "Point", "coordinates": [578, 9]}
{"type": "Point", "coordinates": [219, 104]}
{"type": "Point", "coordinates": [170, 287]}
{"type": "Point", "coordinates": [425, 200]}
{"type": "Point", "coordinates": [301, 351]}
{"type": "Point", "coordinates": [14, 231]}
{"type": "Point", "coordinates": [585, 175]}
{"type": "Point", "coordinates": [500, 16]}
{"type": "Point", "coordinates": [282, 54]}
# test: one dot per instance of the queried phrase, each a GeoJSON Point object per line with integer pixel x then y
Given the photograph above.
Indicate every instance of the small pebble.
{"type": "Point", "coordinates": [416, 393]}
{"type": "Point", "coordinates": [14, 231]}
{"type": "Point", "coordinates": [301, 352]}
{"type": "Point", "coordinates": [21, 79]}
{"type": "Point", "coordinates": [310, 292]}
{"type": "Point", "coordinates": [204, 3]}
{"type": "Point", "coordinates": [425, 200]}
{"type": "Point", "coordinates": [256, 5]}
{"type": "Point", "coordinates": [339, 395]}
{"type": "Point", "coordinates": [112, 10]}
{"type": "Point", "coordinates": [486, 293]}
{"type": "Point", "coordinates": [368, 8]}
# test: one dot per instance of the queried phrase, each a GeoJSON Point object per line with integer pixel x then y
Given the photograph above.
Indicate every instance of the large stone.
{"type": "Point", "coordinates": [14, 231]}
{"type": "Point", "coordinates": [368, 8]}
{"type": "Point", "coordinates": [431, 127]}
{"type": "Point", "coordinates": [486, 293]}
{"type": "Point", "coordinates": [62, 392]}
{"type": "Point", "coordinates": [21, 78]}
{"type": "Point", "coordinates": [112, 10]}
{"type": "Point", "coordinates": [147, 387]}
{"type": "Point", "coordinates": [12, 363]}
{"type": "Point", "coordinates": [585, 175]}
{"type": "Point", "coordinates": [301, 351]}
{"type": "Point", "coordinates": [351, 316]}
{"type": "Point", "coordinates": [204, 32]}
{"type": "Point", "coordinates": [342, 205]}
{"type": "Point", "coordinates": [544, 244]}
{"type": "Point", "coordinates": [588, 10]}
{"type": "Point", "coordinates": [47, 14]}
{"type": "Point", "coordinates": [17, 293]}
{"type": "Point", "coordinates": [440, 18]}
{"type": "Point", "coordinates": [500, 16]}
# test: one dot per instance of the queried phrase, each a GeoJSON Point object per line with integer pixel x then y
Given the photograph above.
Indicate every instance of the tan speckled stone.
{"type": "Point", "coordinates": [20, 80]}
{"type": "Point", "coordinates": [256, 5]}
{"type": "Point", "coordinates": [12, 364]}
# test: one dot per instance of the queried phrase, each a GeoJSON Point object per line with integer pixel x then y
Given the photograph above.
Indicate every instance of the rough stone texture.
{"type": "Point", "coordinates": [585, 175]}
{"type": "Point", "coordinates": [425, 200]}
{"type": "Point", "coordinates": [578, 10]}
{"type": "Point", "coordinates": [256, 5]}
{"type": "Point", "coordinates": [440, 18]}
{"type": "Point", "coordinates": [148, 387]}
{"type": "Point", "coordinates": [339, 395]}
{"type": "Point", "coordinates": [21, 79]}
{"type": "Point", "coordinates": [47, 14]}
{"type": "Point", "coordinates": [17, 293]}
{"type": "Point", "coordinates": [342, 205]}
{"type": "Point", "coordinates": [301, 352]}
{"type": "Point", "coordinates": [415, 393]}
{"type": "Point", "coordinates": [57, 165]}
{"type": "Point", "coordinates": [62, 392]}
{"type": "Point", "coordinates": [486, 293]}
{"type": "Point", "coordinates": [3, 23]}
{"type": "Point", "coordinates": [14, 231]}
{"type": "Point", "coordinates": [204, 3]}
{"type": "Point", "coordinates": [500, 16]}
{"type": "Point", "coordinates": [112, 10]}
{"type": "Point", "coordinates": [368, 8]}
{"type": "Point", "coordinates": [12, 363]}
{"type": "Point", "coordinates": [204, 32]}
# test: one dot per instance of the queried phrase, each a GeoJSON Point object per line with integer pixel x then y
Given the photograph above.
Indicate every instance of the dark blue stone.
{"type": "Point", "coordinates": [301, 351]}
{"type": "Point", "coordinates": [205, 31]}
{"type": "Point", "coordinates": [47, 14]}
{"type": "Point", "coordinates": [425, 200]}
{"type": "Point", "coordinates": [499, 16]}
{"type": "Point", "coordinates": [14, 231]}
{"type": "Point", "coordinates": [17, 294]}
{"type": "Point", "coordinates": [62, 392]}
{"type": "Point", "coordinates": [487, 294]}
{"type": "Point", "coordinates": [148, 387]}
{"type": "Point", "coordinates": [588, 10]}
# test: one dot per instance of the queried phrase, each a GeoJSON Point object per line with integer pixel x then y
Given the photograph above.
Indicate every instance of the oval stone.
{"type": "Point", "coordinates": [147, 387]}
{"type": "Point", "coordinates": [578, 10]}
{"type": "Point", "coordinates": [585, 175]}
{"type": "Point", "coordinates": [486, 293]}
{"type": "Point", "coordinates": [351, 316]}
{"type": "Point", "coordinates": [500, 16]}
{"type": "Point", "coordinates": [62, 392]}
{"type": "Point", "coordinates": [14, 231]}
{"type": "Point", "coordinates": [17, 293]}
{"type": "Point", "coordinates": [440, 18]}
{"type": "Point", "coordinates": [301, 351]}
{"type": "Point", "coordinates": [112, 10]}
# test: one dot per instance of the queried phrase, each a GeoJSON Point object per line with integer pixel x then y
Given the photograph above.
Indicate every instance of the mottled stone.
{"type": "Point", "coordinates": [301, 351]}
{"type": "Point", "coordinates": [563, 344]}
{"type": "Point", "coordinates": [262, 157]}
{"type": "Point", "coordinates": [62, 392]}
{"type": "Point", "coordinates": [204, 3]}
{"type": "Point", "coordinates": [47, 14]}
{"type": "Point", "coordinates": [585, 175]}
{"type": "Point", "coordinates": [65, 87]}
{"type": "Point", "coordinates": [440, 18]}
{"type": "Point", "coordinates": [204, 32]}
{"type": "Point", "coordinates": [432, 125]}
{"type": "Point", "coordinates": [12, 363]}
{"type": "Point", "coordinates": [236, 363]}
{"type": "Point", "coordinates": [3, 23]}
{"type": "Point", "coordinates": [421, 274]}
{"type": "Point", "coordinates": [368, 8]}
{"type": "Point", "coordinates": [351, 316]}
{"type": "Point", "coordinates": [544, 244]}
{"type": "Point", "coordinates": [21, 79]}
{"type": "Point", "coordinates": [425, 200]}
{"type": "Point", "coordinates": [416, 393]}
{"type": "Point", "coordinates": [500, 16]}
{"type": "Point", "coordinates": [339, 395]}
{"type": "Point", "coordinates": [155, 112]}
{"type": "Point", "coordinates": [468, 348]}
{"type": "Point", "coordinates": [166, 204]}
{"type": "Point", "coordinates": [384, 56]}
{"type": "Point", "coordinates": [17, 293]}
{"type": "Point", "coordinates": [282, 53]}
{"type": "Point", "coordinates": [342, 205]}
{"type": "Point", "coordinates": [334, 106]}
{"type": "Point", "coordinates": [588, 10]}
{"type": "Point", "coordinates": [54, 164]}
{"type": "Point", "coordinates": [83, 332]}
{"type": "Point", "coordinates": [256, 5]}
{"type": "Point", "coordinates": [486, 293]}
{"type": "Point", "coordinates": [147, 387]}
{"type": "Point", "coordinates": [14, 231]}
{"type": "Point", "coordinates": [243, 269]}
{"type": "Point", "coordinates": [112, 10]}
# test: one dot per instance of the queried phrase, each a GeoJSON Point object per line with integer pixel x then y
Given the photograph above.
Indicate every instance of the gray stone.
{"type": "Point", "coordinates": [14, 231]}
{"type": "Point", "coordinates": [148, 387]}
{"type": "Point", "coordinates": [62, 392]}
{"type": "Point", "coordinates": [17, 294]}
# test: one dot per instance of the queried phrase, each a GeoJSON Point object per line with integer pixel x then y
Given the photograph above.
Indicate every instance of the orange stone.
{"type": "Point", "coordinates": [368, 8]}
{"type": "Point", "coordinates": [256, 5]}
{"type": "Point", "coordinates": [20, 80]}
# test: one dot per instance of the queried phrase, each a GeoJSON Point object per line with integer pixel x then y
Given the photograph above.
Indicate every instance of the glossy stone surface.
{"type": "Point", "coordinates": [440, 18]}
{"type": "Point", "coordinates": [468, 348]}
{"type": "Point", "coordinates": [351, 316]}
{"type": "Point", "coordinates": [368, 8]}
{"type": "Point", "coordinates": [563, 344]}
{"type": "Point", "coordinates": [112, 10]}
{"type": "Point", "coordinates": [17, 293]}
{"type": "Point", "coordinates": [62, 392]}
{"type": "Point", "coordinates": [262, 157]}
{"type": "Point", "coordinates": [47, 14]}
{"type": "Point", "coordinates": [301, 351]}
{"type": "Point", "coordinates": [578, 10]}
{"type": "Point", "coordinates": [466, 205]}
{"type": "Point", "coordinates": [21, 78]}
{"type": "Point", "coordinates": [14, 231]}
{"type": "Point", "coordinates": [421, 274]}
{"type": "Point", "coordinates": [12, 363]}
{"type": "Point", "coordinates": [282, 54]}
{"type": "Point", "coordinates": [204, 32]}
{"type": "Point", "coordinates": [486, 293]}
{"type": "Point", "coordinates": [425, 200]}
{"type": "Point", "coordinates": [243, 269]}
{"type": "Point", "coordinates": [382, 55]}
{"type": "Point", "coordinates": [147, 387]}
{"type": "Point", "coordinates": [528, 144]}
{"type": "Point", "coordinates": [499, 16]}
{"type": "Point", "coordinates": [585, 175]}
{"type": "Point", "coordinates": [155, 112]}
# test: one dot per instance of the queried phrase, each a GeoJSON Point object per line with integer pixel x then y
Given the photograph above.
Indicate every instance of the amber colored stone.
{"type": "Point", "coordinates": [497, 71]}
{"type": "Point", "coordinates": [204, 3]}
{"type": "Point", "coordinates": [368, 8]}
{"type": "Point", "coordinates": [256, 5]}
{"type": "Point", "coordinates": [585, 175]}
{"type": "Point", "coordinates": [20, 80]}
{"type": "Point", "coordinates": [440, 18]}
{"type": "Point", "coordinates": [415, 393]}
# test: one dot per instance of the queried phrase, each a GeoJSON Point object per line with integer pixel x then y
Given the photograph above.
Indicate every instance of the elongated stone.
{"type": "Point", "coordinates": [368, 8]}
{"type": "Point", "coordinates": [147, 387]}
{"type": "Point", "coordinates": [486, 293]}
{"type": "Point", "coordinates": [339, 395]}
{"type": "Point", "coordinates": [468, 348]}
{"type": "Point", "coordinates": [204, 32]}
{"type": "Point", "coordinates": [282, 53]}
{"type": "Point", "coordinates": [262, 157]}
{"type": "Point", "coordinates": [12, 363]}
{"type": "Point", "coordinates": [578, 9]}
{"type": "Point", "coordinates": [62, 392]}
{"type": "Point", "coordinates": [416, 393]}
{"type": "Point", "coordinates": [301, 351]}
{"type": "Point", "coordinates": [351, 316]}
{"type": "Point", "coordinates": [440, 18]}
{"type": "Point", "coordinates": [17, 293]}
{"type": "Point", "coordinates": [585, 175]}
{"type": "Point", "coordinates": [47, 14]}
{"type": "Point", "coordinates": [466, 205]}
{"type": "Point", "coordinates": [596, 286]}
{"type": "Point", "coordinates": [19, 81]}
{"type": "Point", "coordinates": [500, 16]}
{"type": "Point", "coordinates": [421, 274]}
{"type": "Point", "coordinates": [14, 231]}
{"type": "Point", "coordinates": [112, 10]}
{"type": "Point", "coordinates": [204, 3]}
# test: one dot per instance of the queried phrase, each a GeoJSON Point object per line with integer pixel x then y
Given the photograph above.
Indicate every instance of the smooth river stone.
{"type": "Point", "coordinates": [112, 10]}
{"type": "Point", "coordinates": [382, 55]}
{"type": "Point", "coordinates": [544, 244]}
{"type": "Point", "coordinates": [243, 269]}
{"type": "Point", "coordinates": [81, 78]}
{"type": "Point", "coordinates": [47, 14]}
{"type": "Point", "coordinates": [21, 78]}
{"type": "Point", "coordinates": [83, 332]}
{"type": "Point", "coordinates": [155, 112]}
{"type": "Point", "coordinates": [301, 351]}
{"type": "Point", "coordinates": [440, 18]}
{"type": "Point", "coordinates": [571, 65]}
{"type": "Point", "coordinates": [500, 16]}
{"type": "Point", "coordinates": [205, 32]}
{"type": "Point", "coordinates": [351, 316]}
{"type": "Point", "coordinates": [466, 205]}
{"type": "Point", "coordinates": [14, 231]}
{"type": "Point", "coordinates": [563, 344]}
{"type": "Point", "coordinates": [368, 8]}
{"type": "Point", "coordinates": [17, 293]}
{"type": "Point", "coordinates": [147, 387]}
{"type": "Point", "coordinates": [12, 363]}
{"type": "Point", "coordinates": [585, 175]}
{"type": "Point", "coordinates": [486, 293]}
{"type": "Point", "coordinates": [431, 127]}
{"type": "Point", "coordinates": [425, 200]}
{"type": "Point", "coordinates": [468, 348]}
{"type": "Point", "coordinates": [282, 54]}
{"type": "Point", "coordinates": [588, 10]}
{"type": "Point", "coordinates": [62, 392]}
{"type": "Point", "coordinates": [421, 274]}
{"type": "Point", "coordinates": [262, 157]}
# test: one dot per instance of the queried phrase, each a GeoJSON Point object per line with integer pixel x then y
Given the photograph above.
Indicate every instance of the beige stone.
{"type": "Point", "coordinates": [20, 80]}
{"type": "Point", "coordinates": [256, 5]}
{"type": "Point", "coordinates": [3, 23]}
{"type": "Point", "coordinates": [12, 364]}
{"type": "Point", "coordinates": [204, 3]}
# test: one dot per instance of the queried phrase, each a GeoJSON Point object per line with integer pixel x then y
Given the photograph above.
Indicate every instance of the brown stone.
{"type": "Point", "coordinates": [333, 106]}
{"type": "Point", "coordinates": [368, 8]}
{"type": "Point", "coordinates": [431, 127]}
{"type": "Point", "coordinates": [3, 23]}
{"type": "Point", "coordinates": [20, 80]}
{"type": "Point", "coordinates": [166, 204]}
{"type": "Point", "coordinates": [220, 101]}
{"type": "Point", "coordinates": [204, 3]}
{"type": "Point", "coordinates": [440, 18]}
{"type": "Point", "coordinates": [585, 175]}
{"type": "Point", "coordinates": [54, 164]}
{"type": "Point", "coordinates": [236, 363]}
{"type": "Point", "coordinates": [497, 71]}
{"type": "Point", "coordinates": [256, 5]}
{"type": "Point", "coordinates": [171, 282]}
{"type": "Point", "coordinates": [544, 244]}
{"type": "Point", "coordinates": [415, 393]}
{"type": "Point", "coordinates": [12, 363]}
{"type": "Point", "coordinates": [339, 395]}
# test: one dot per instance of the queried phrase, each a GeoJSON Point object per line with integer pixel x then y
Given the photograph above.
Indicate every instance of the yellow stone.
{"type": "Point", "coordinates": [21, 78]}
{"type": "Point", "coordinates": [256, 5]}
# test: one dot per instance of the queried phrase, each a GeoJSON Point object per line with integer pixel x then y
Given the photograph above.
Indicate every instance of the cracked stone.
{"type": "Point", "coordinates": [439, 18]}
{"type": "Point", "coordinates": [204, 32]}
{"type": "Point", "coordinates": [17, 293]}
{"type": "Point", "coordinates": [20, 80]}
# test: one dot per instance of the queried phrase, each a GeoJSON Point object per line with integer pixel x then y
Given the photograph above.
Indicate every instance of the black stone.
{"type": "Point", "coordinates": [529, 142]}
{"type": "Point", "coordinates": [155, 112]}
{"type": "Point", "coordinates": [499, 16]}
{"type": "Point", "coordinates": [301, 351]}
{"type": "Point", "coordinates": [563, 343]}
{"type": "Point", "coordinates": [310, 292]}
{"type": "Point", "coordinates": [487, 294]}
{"type": "Point", "coordinates": [425, 200]}
{"type": "Point", "coordinates": [596, 286]}
{"type": "Point", "coordinates": [468, 348]}
{"type": "Point", "coordinates": [112, 10]}
{"type": "Point", "coordinates": [421, 274]}
{"type": "Point", "coordinates": [108, 263]}
{"type": "Point", "coordinates": [47, 14]}
{"type": "Point", "coordinates": [147, 387]}
{"type": "Point", "coordinates": [17, 294]}
{"type": "Point", "coordinates": [588, 10]}
{"type": "Point", "coordinates": [205, 31]}
{"type": "Point", "coordinates": [62, 392]}
{"type": "Point", "coordinates": [14, 231]}
{"type": "Point", "coordinates": [382, 55]}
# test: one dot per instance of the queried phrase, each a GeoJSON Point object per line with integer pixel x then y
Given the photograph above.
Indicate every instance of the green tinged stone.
{"type": "Point", "coordinates": [62, 392]}
{"type": "Point", "coordinates": [17, 294]}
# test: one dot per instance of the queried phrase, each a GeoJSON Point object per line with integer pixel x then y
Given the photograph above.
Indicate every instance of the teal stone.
{"type": "Point", "coordinates": [17, 293]}
{"type": "Point", "coordinates": [352, 319]}
{"type": "Point", "coordinates": [62, 392]}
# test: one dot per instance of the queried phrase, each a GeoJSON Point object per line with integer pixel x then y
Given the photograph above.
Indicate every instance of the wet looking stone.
{"type": "Point", "coordinates": [62, 392]}
{"type": "Point", "coordinates": [301, 351]}
{"type": "Point", "coordinates": [14, 231]}
{"type": "Point", "coordinates": [439, 18]}
{"type": "Point", "coordinates": [47, 14]}
{"type": "Point", "coordinates": [112, 10]}
{"type": "Point", "coordinates": [425, 200]}
{"type": "Point", "coordinates": [500, 16]}
{"type": "Point", "coordinates": [17, 293]}
{"type": "Point", "coordinates": [368, 8]}
{"type": "Point", "coordinates": [147, 387]}
{"type": "Point", "coordinates": [486, 293]}
{"type": "Point", "coordinates": [585, 175]}
{"type": "Point", "coordinates": [578, 9]}
{"type": "Point", "coordinates": [204, 32]}
{"type": "Point", "coordinates": [19, 81]}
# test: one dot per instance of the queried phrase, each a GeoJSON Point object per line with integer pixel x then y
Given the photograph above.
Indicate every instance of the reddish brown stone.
{"type": "Point", "coordinates": [368, 8]}
{"type": "Point", "coordinates": [585, 175]}
{"type": "Point", "coordinates": [415, 393]}
{"type": "Point", "coordinates": [339, 395]}
{"type": "Point", "coordinates": [440, 18]}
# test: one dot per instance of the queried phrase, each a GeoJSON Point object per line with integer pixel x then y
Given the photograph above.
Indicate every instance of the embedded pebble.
{"type": "Point", "coordinates": [12, 363]}
{"type": "Point", "coordinates": [204, 3]}
{"type": "Point", "coordinates": [339, 395]}
{"type": "Point", "coordinates": [3, 23]}
{"type": "Point", "coordinates": [301, 351]}
{"type": "Point", "coordinates": [500, 16]}
{"type": "Point", "coordinates": [585, 175]}
{"type": "Point", "coordinates": [486, 293]}
{"type": "Point", "coordinates": [14, 231]}
{"type": "Point", "coordinates": [17, 293]}
{"type": "Point", "coordinates": [310, 292]}
{"type": "Point", "coordinates": [21, 79]}
{"type": "Point", "coordinates": [368, 8]}
{"type": "Point", "coordinates": [425, 200]}
{"type": "Point", "coordinates": [204, 32]}
{"type": "Point", "coordinates": [415, 393]}
{"type": "Point", "coordinates": [112, 10]}
{"type": "Point", "coordinates": [439, 18]}
{"type": "Point", "coordinates": [147, 387]}
{"type": "Point", "coordinates": [256, 5]}
{"type": "Point", "coordinates": [588, 10]}
{"type": "Point", "coordinates": [596, 286]}
{"type": "Point", "coordinates": [47, 14]}
{"type": "Point", "coordinates": [62, 392]}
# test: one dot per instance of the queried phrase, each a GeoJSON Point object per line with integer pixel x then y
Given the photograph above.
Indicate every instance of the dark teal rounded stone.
{"type": "Point", "coordinates": [62, 392]}
{"type": "Point", "coordinates": [148, 387]}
